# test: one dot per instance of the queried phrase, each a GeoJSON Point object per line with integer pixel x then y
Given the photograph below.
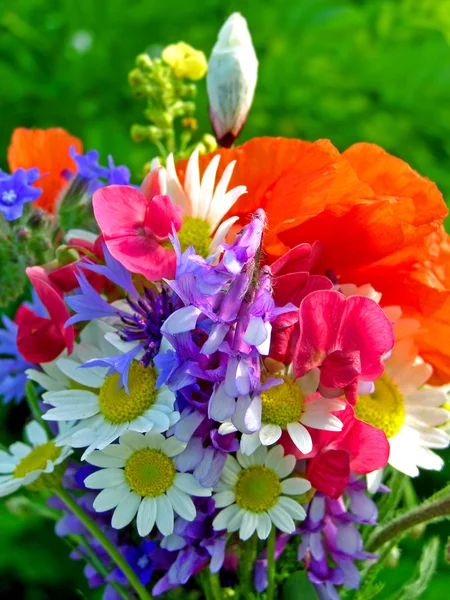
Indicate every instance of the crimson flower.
{"type": "Point", "coordinates": [359, 448]}
{"type": "Point", "coordinates": [42, 339]}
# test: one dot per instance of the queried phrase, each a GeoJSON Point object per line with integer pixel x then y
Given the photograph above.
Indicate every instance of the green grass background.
{"type": "Point", "coordinates": [348, 70]}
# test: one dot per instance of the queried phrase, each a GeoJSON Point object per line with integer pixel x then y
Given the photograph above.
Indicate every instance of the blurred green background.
{"type": "Point", "coordinates": [348, 70]}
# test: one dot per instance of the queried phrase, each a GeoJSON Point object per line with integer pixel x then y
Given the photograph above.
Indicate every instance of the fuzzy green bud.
{"type": "Point", "coordinates": [143, 61]}
{"type": "Point", "coordinates": [12, 273]}
{"type": "Point", "coordinates": [210, 142]}
{"type": "Point", "coordinates": [66, 256]}
{"type": "Point", "coordinates": [135, 77]}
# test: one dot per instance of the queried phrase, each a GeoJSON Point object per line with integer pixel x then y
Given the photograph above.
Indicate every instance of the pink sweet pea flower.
{"type": "Point", "coordinates": [42, 339]}
{"type": "Point", "coordinates": [135, 223]}
{"type": "Point", "coordinates": [291, 283]}
{"type": "Point", "coordinates": [359, 448]}
{"type": "Point", "coordinates": [343, 340]}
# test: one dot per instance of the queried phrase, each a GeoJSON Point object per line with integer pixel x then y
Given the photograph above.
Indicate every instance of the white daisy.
{"type": "Point", "coordinates": [202, 200]}
{"type": "Point", "coordinates": [103, 411]}
{"type": "Point", "coordinates": [253, 492]}
{"type": "Point", "coordinates": [410, 422]}
{"type": "Point", "coordinates": [284, 408]}
{"type": "Point", "coordinates": [138, 477]}
{"type": "Point", "coordinates": [24, 465]}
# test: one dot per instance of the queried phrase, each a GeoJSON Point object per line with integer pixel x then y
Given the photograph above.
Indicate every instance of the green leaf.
{"type": "Point", "coordinates": [299, 587]}
{"type": "Point", "coordinates": [425, 571]}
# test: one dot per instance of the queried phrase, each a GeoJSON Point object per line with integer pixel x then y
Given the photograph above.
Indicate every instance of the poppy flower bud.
{"type": "Point", "coordinates": [231, 79]}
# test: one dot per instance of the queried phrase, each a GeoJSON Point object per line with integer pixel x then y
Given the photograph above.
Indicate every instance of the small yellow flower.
{"type": "Point", "coordinates": [185, 61]}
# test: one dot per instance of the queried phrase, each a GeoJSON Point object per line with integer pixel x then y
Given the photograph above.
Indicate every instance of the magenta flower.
{"type": "Point", "coordinates": [343, 340]}
{"type": "Point", "coordinates": [135, 225]}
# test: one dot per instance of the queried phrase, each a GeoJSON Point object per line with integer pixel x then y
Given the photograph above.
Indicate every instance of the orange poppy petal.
{"type": "Point", "coordinates": [292, 180]}
{"type": "Point", "coordinates": [377, 219]}
{"type": "Point", "coordinates": [47, 149]}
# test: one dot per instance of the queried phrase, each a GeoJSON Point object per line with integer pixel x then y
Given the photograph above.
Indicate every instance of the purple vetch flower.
{"type": "Point", "coordinates": [330, 541]}
{"type": "Point", "coordinates": [16, 190]}
{"type": "Point", "coordinates": [218, 337]}
{"type": "Point", "coordinates": [192, 547]}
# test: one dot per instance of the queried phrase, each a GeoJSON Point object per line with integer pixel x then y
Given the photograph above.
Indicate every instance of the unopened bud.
{"type": "Point", "coordinates": [231, 79]}
{"type": "Point", "coordinates": [23, 234]}
{"type": "Point", "coordinates": [66, 256]}
{"type": "Point", "coordinates": [37, 217]}
{"type": "Point", "coordinates": [392, 558]}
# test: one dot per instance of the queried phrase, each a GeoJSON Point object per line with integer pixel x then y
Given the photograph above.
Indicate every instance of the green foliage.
{"type": "Point", "coordinates": [348, 70]}
{"type": "Point", "coordinates": [424, 572]}
{"type": "Point", "coordinates": [298, 587]}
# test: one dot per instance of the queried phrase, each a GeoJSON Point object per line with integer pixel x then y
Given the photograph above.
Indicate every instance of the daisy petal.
{"type": "Point", "coordinates": [300, 436]}
{"type": "Point", "coordinates": [110, 497]}
{"type": "Point", "coordinates": [248, 525]}
{"type": "Point", "coordinates": [182, 503]}
{"type": "Point", "coordinates": [164, 515]}
{"type": "Point", "coordinates": [146, 516]}
{"type": "Point", "coordinates": [126, 510]}
{"type": "Point", "coordinates": [281, 519]}
{"type": "Point", "coordinates": [36, 433]}
{"type": "Point", "coordinates": [225, 498]}
{"type": "Point", "coordinates": [188, 484]}
{"type": "Point", "coordinates": [285, 466]}
{"type": "Point", "coordinates": [292, 507]}
{"type": "Point", "coordinates": [100, 459]}
{"type": "Point", "coordinates": [295, 486]}
{"type": "Point", "coordinates": [264, 526]}
{"type": "Point", "coordinates": [105, 478]}
{"type": "Point", "coordinates": [223, 518]}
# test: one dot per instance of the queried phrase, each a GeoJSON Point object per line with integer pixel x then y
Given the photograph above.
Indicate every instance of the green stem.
{"type": "Point", "coordinates": [247, 561]}
{"type": "Point", "coordinates": [33, 403]}
{"type": "Point", "coordinates": [391, 501]}
{"type": "Point", "coordinates": [108, 546]}
{"type": "Point", "coordinates": [422, 514]}
{"type": "Point", "coordinates": [99, 566]}
{"type": "Point", "coordinates": [214, 586]}
{"type": "Point", "coordinates": [271, 564]}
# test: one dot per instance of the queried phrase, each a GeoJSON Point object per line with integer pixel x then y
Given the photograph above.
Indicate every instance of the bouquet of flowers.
{"type": "Point", "coordinates": [235, 369]}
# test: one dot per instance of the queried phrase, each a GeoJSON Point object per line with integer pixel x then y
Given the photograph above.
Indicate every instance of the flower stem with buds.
{"type": "Point", "coordinates": [427, 512]}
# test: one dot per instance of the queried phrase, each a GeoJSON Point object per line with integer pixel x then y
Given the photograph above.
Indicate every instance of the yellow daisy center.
{"type": "Point", "coordinates": [282, 404]}
{"type": "Point", "coordinates": [257, 489]}
{"type": "Point", "coordinates": [149, 472]}
{"type": "Point", "coordinates": [197, 233]}
{"type": "Point", "coordinates": [119, 407]}
{"type": "Point", "coordinates": [384, 408]}
{"type": "Point", "coordinates": [37, 459]}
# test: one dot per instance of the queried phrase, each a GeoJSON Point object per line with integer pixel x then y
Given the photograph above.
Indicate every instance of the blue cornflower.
{"type": "Point", "coordinates": [12, 363]}
{"type": "Point", "coordinates": [139, 559]}
{"type": "Point", "coordinates": [16, 190]}
{"type": "Point", "coordinates": [96, 176]}
{"type": "Point", "coordinates": [138, 320]}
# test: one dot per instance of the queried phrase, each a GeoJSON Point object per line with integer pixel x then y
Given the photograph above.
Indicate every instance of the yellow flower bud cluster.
{"type": "Point", "coordinates": [167, 84]}
{"type": "Point", "coordinates": [185, 61]}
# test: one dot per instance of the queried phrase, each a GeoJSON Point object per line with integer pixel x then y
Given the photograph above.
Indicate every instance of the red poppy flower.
{"type": "Point", "coordinates": [47, 149]}
{"type": "Point", "coordinates": [378, 222]}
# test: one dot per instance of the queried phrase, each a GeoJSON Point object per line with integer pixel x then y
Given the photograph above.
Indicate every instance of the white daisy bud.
{"type": "Point", "coordinates": [231, 79]}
